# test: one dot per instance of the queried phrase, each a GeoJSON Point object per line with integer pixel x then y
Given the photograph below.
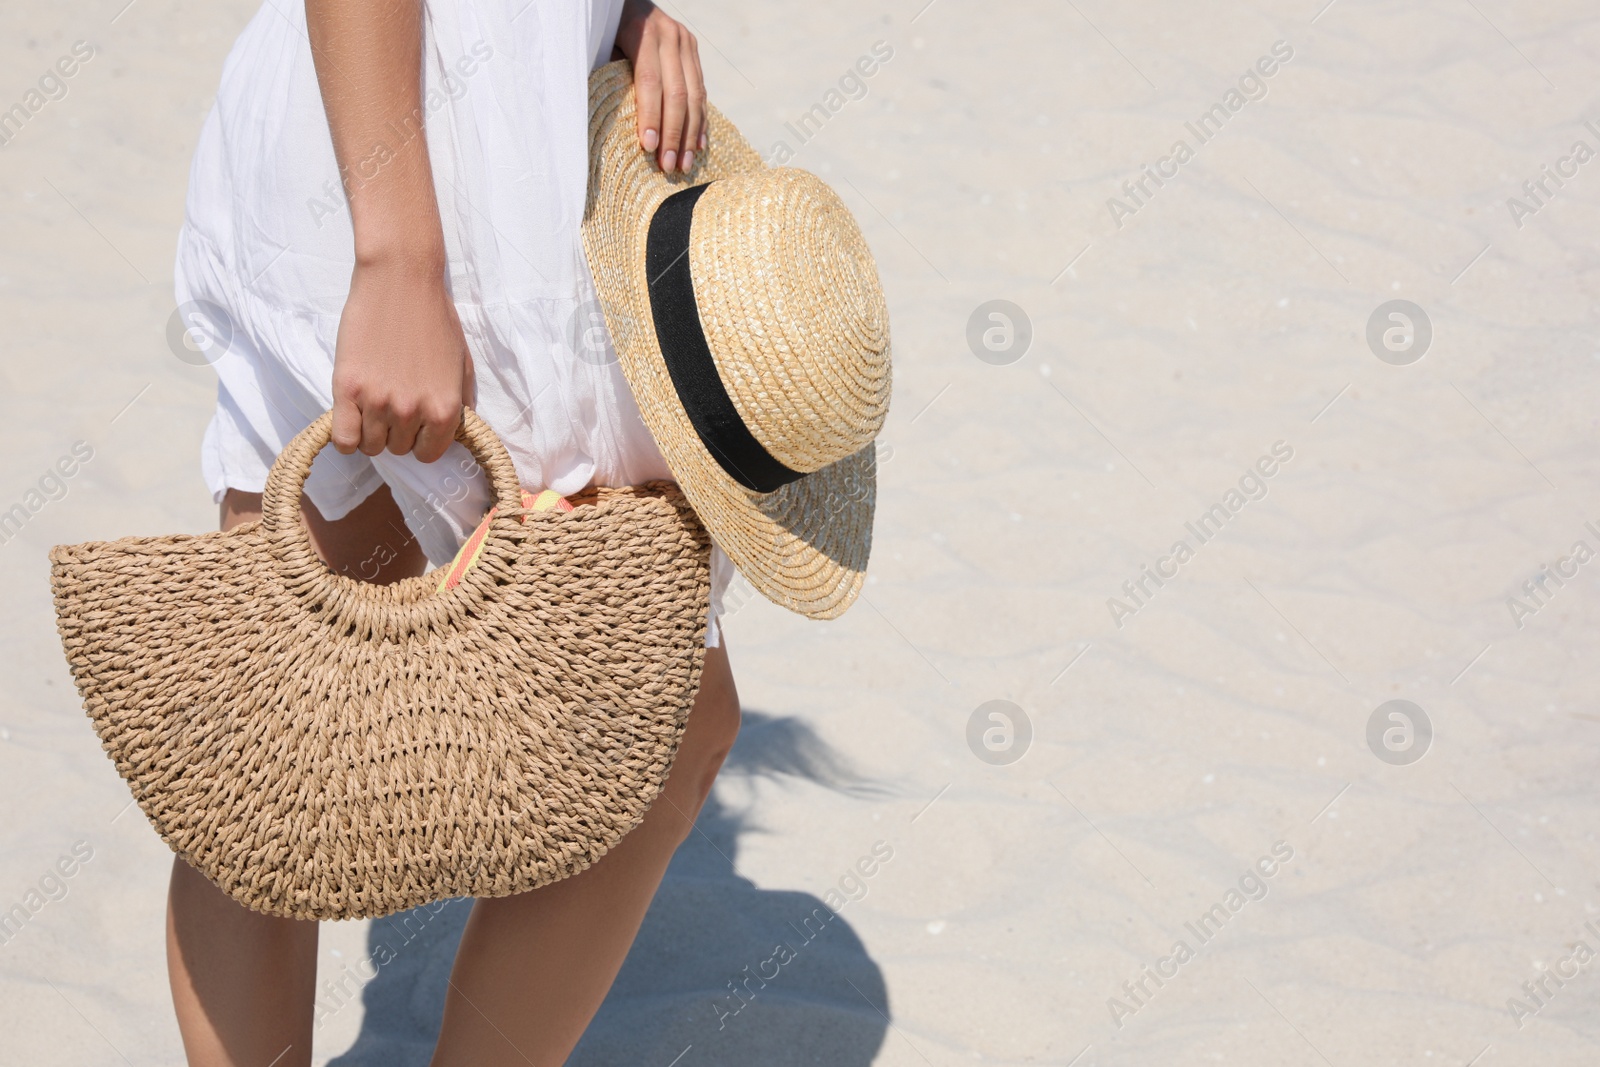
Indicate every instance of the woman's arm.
{"type": "Point", "coordinates": [401, 369]}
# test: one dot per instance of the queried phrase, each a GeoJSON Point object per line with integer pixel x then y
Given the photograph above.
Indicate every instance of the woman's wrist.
{"type": "Point", "coordinates": [402, 252]}
{"type": "Point", "coordinates": [399, 231]}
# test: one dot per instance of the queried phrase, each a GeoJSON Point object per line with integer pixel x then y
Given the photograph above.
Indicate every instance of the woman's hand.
{"type": "Point", "coordinates": [401, 371]}
{"type": "Point", "coordinates": [668, 85]}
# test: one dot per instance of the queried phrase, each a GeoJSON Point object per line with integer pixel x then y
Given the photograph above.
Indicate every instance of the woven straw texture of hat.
{"type": "Point", "coordinates": [323, 748]}
{"type": "Point", "coordinates": [794, 315]}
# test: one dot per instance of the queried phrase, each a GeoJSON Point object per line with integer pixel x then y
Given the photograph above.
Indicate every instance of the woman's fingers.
{"type": "Point", "coordinates": [346, 433]}
{"type": "Point", "coordinates": [404, 432]}
{"type": "Point", "coordinates": [433, 438]}
{"type": "Point", "coordinates": [695, 123]}
{"type": "Point", "coordinates": [674, 94]}
{"type": "Point", "coordinates": [647, 94]}
{"type": "Point", "coordinates": [374, 432]}
{"type": "Point", "coordinates": [469, 381]}
{"type": "Point", "coordinates": [669, 87]}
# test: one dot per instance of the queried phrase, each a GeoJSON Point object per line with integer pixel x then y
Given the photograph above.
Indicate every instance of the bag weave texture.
{"type": "Point", "coordinates": [324, 748]}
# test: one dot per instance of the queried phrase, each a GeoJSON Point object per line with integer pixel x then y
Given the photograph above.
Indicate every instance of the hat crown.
{"type": "Point", "coordinates": [793, 314]}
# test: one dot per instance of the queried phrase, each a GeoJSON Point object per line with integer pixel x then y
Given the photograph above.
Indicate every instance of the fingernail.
{"type": "Point", "coordinates": [688, 161]}
{"type": "Point", "coordinates": [702, 140]}
{"type": "Point", "coordinates": [651, 140]}
{"type": "Point", "coordinates": [668, 158]}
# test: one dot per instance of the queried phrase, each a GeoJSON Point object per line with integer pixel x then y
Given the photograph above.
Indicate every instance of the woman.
{"type": "Point", "coordinates": [383, 218]}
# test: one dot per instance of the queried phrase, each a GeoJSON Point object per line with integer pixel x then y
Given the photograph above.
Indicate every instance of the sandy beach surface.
{"type": "Point", "coordinates": [1196, 829]}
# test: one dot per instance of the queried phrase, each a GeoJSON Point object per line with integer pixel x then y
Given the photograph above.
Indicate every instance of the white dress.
{"type": "Point", "coordinates": [266, 252]}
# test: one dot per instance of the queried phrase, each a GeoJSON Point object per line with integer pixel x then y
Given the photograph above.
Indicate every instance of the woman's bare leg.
{"type": "Point", "coordinates": [243, 983]}
{"type": "Point", "coordinates": [532, 969]}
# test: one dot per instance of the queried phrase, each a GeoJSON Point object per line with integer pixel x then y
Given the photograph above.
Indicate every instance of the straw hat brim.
{"type": "Point", "coordinates": [803, 546]}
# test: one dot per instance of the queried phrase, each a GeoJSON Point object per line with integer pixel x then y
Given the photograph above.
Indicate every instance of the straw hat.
{"type": "Point", "coordinates": [747, 316]}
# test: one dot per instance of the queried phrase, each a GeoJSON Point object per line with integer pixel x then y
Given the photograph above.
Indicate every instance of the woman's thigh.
{"type": "Point", "coordinates": [371, 543]}
{"type": "Point", "coordinates": [243, 982]}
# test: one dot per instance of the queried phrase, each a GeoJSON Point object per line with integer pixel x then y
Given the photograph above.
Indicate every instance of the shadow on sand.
{"type": "Point", "coordinates": [672, 1003]}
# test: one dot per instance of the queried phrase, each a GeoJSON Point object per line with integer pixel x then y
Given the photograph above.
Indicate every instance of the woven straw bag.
{"type": "Point", "coordinates": [323, 748]}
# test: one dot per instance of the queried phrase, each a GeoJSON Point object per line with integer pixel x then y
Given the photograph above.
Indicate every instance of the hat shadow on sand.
{"type": "Point", "coordinates": [708, 927]}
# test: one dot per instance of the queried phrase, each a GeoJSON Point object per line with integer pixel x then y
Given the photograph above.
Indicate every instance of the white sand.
{"type": "Point", "coordinates": [1223, 717]}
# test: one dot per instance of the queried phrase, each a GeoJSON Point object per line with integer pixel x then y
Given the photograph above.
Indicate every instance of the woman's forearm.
{"type": "Point", "coordinates": [368, 56]}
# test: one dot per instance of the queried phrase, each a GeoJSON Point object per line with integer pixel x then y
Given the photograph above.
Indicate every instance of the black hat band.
{"type": "Point", "coordinates": [688, 357]}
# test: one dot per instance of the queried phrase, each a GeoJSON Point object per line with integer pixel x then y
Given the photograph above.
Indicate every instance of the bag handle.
{"type": "Point", "coordinates": [280, 501]}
